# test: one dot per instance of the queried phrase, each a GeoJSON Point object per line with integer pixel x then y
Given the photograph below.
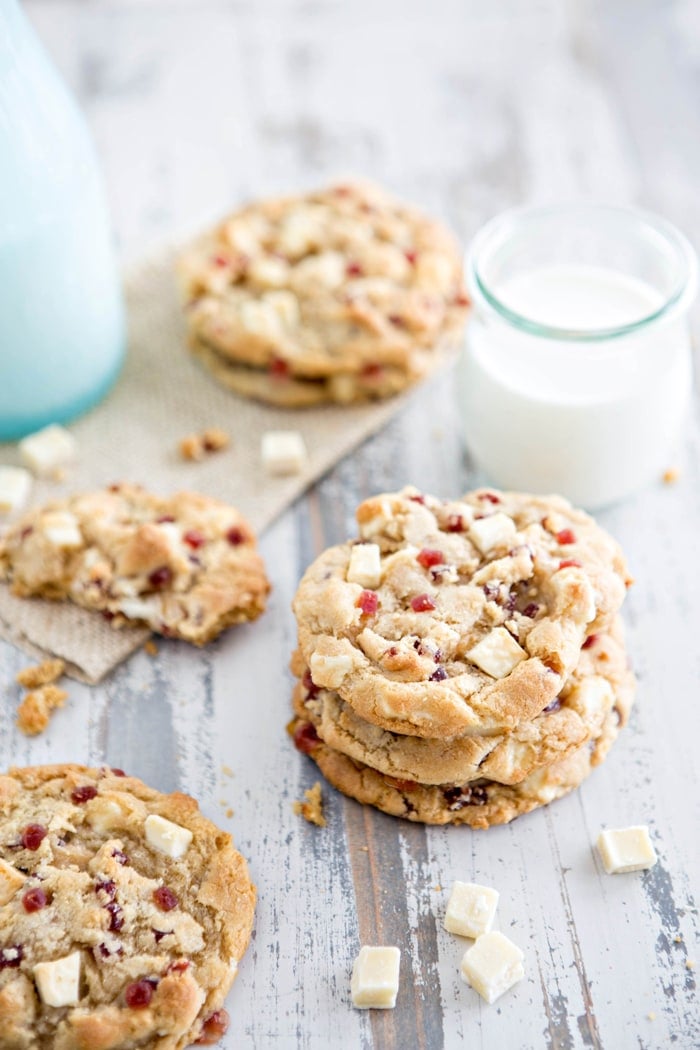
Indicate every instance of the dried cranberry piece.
{"type": "Point", "coordinates": [26, 531]}
{"type": "Point", "coordinates": [160, 577]}
{"type": "Point", "coordinates": [422, 603]}
{"type": "Point", "coordinates": [179, 966]}
{"type": "Point", "coordinates": [194, 539]}
{"type": "Point", "coordinates": [459, 797]}
{"type": "Point", "coordinates": [455, 523]}
{"type": "Point", "coordinates": [554, 706]}
{"type": "Point", "coordinates": [83, 794]}
{"type": "Point", "coordinates": [417, 499]}
{"type": "Point", "coordinates": [312, 689]}
{"type": "Point", "coordinates": [510, 602]}
{"type": "Point", "coordinates": [490, 496]}
{"type": "Point", "coordinates": [492, 592]}
{"type": "Point", "coordinates": [120, 856]}
{"type": "Point", "coordinates": [565, 536]}
{"type": "Point", "coordinates": [213, 1028]}
{"type": "Point", "coordinates": [108, 615]}
{"type": "Point", "coordinates": [220, 260]}
{"type": "Point", "coordinates": [462, 300]}
{"type": "Point", "coordinates": [139, 994]}
{"type": "Point", "coordinates": [353, 269]}
{"type": "Point", "coordinates": [368, 602]}
{"type": "Point", "coordinates": [33, 836]}
{"type": "Point", "coordinates": [411, 257]}
{"type": "Point", "coordinates": [427, 557]}
{"type": "Point", "coordinates": [278, 368]}
{"type": "Point", "coordinates": [305, 738]}
{"type": "Point", "coordinates": [568, 563]}
{"type": "Point", "coordinates": [116, 916]}
{"type": "Point", "coordinates": [34, 900]}
{"type": "Point", "coordinates": [236, 536]}
{"type": "Point", "coordinates": [160, 934]}
{"type": "Point", "coordinates": [531, 610]}
{"type": "Point", "coordinates": [107, 886]}
{"type": "Point", "coordinates": [165, 899]}
{"type": "Point", "coordinates": [165, 519]}
{"type": "Point", "coordinates": [372, 371]}
{"type": "Point", "coordinates": [11, 957]}
{"type": "Point", "coordinates": [397, 320]}
{"type": "Point", "coordinates": [117, 772]}
{"type": "Point", "coordinates": [438, 675]}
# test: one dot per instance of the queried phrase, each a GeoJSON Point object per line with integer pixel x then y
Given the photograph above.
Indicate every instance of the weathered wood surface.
{"type": "Point", "coordinates": [467, 107]}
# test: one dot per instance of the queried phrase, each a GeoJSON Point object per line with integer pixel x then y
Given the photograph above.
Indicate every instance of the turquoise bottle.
{"type": "Point", "coordinates": [62, 328]}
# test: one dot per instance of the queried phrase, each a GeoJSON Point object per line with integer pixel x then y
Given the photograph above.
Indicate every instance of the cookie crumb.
{"type": "Point", "coordinates": [651, 1015]}
{"type": "Point", "coordinates": [690, 964]}
{"type": "Point", "coordinates": [671, 476]}
{"type": "Point", "coordinates": [363, 849]}
{"type": "Point", "coordinates": [678, 939]}
{"type": "Point", "coordinates": [34, 712]}
{"type": "Point", "coordinates": [40, 674]}
{"type": "Point", "coordinates": [227, 771]}
{"type": "Point", "coordinates": [196, 446]}
{"type": "Point", "coordinates": [150, 647]}
{"type": "Point", "coordinates": [229, 812]}
{"type": "Point", "coordinates": [312, 809]}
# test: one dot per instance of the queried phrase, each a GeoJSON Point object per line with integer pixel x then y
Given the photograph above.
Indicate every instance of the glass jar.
{"type": "Point", "coordinates": [577, 372]}
{"type": "Point", "coordinates": [62, 331]}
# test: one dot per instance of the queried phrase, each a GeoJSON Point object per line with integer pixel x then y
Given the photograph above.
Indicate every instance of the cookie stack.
{"type": "Point", "coordinates": [462, 661]}
{"type": "Point", "coordinates": [342, 295]}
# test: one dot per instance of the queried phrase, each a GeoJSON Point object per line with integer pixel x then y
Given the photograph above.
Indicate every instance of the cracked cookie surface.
{"type": "Point", "coordinates": [342, 295]}
{"type": "Point", "coordinates": [601, 683]}
{"type": "Point", "coordinates": [186, 566]}
{"type": "Point", "coordinates": [123, 914]}
{"type": "Point", "coordinates": [449, 617]}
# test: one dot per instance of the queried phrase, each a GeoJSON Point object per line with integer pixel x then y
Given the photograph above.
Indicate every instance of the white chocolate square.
{"type": "Point", "coordinates": [283, 452]}
{"type": "Point", "coordinates": [61, 529]}
{"type": "Point", "coordinates": [626, 849]}
{"type": "Point", "coordinates": [329, 670]}
{"type": "Point", "coordinates": [497, 654]}
{"type": "Point", "coordinates": [492, 965]}
{"type": "Point", "coordinates": [15, 485]}
{"type": "Point", "coordinates": [494, 532]}
{"type": "Point", "coordinates": [167, 837]}
{"type": "Point", "coordinates": [375, 978]}
{"type": "Point", "coordinates": [365, 565]}
{"type": "Point", "coordinates": [470, 909]}
{"type": "Point", "coordinates": [48, 449]}
{"type": "Point", "coordinates": [11, 880]}
{"type": "Point", "coordinates": [58, 982]}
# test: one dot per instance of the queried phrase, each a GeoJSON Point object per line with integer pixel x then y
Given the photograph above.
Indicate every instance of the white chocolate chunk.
{"type": "Point", "coordinates": [375, 978]}
{"type": "Point", "coordinates": [103, 814]}
{"type": "Point", "coordinates": [11, 880]}
{"type": "Point", "coordinates": [15, 483]}
{"type": "Point", "coordinates": [167, 837]}
{"type": "Point", "coordinates": [258, 318]}
{"type": "Point", "coordinates": [329, 670]}
{"type": "Point", "coordinates": [492, 965]}
{"type": "Point", "coordinates": [61, 529]}
{"type": "Point", "coordinates": [470, 909]}
{"type": "Point", "coordinates": [48, 449]}
{"type": "Point", "coordinates": [283, 452]}
{"type": "Point", "coordinates": [377, 523]}
{"type": "Point", "coordinates": [497, 654]}
{"type": "Point", "coordinates": [286, 306]}
{"type": "Point", "coordinates": [495, 532]}
{"type": "Point", "coordinates": [58, 982]}
{"type": "Point", "coordinates": [626, 849]}
{"type": "Point", "coordinates": [365, 566]}
{"type": "Point", "coordinates": [140, 609]}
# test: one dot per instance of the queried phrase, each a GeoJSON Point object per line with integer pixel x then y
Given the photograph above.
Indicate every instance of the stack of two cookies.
{"type": "Point", "coordinates": [462, 661]}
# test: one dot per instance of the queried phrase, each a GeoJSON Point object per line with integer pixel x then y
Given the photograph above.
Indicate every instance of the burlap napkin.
{"type": "Point", "coordinates": [161, 396]}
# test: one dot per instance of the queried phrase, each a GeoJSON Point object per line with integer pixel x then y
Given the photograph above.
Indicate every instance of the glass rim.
{"type": "Point", "coordinates": [678, 299]}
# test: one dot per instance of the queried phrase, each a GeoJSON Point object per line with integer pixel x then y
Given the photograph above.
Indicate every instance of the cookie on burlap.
{"type": "Point", "coordinates": [186, 566]}
{"type": "Point", "coordinates": [478, 803]}
{"type": "Point", "coordinates": [457, 616]}
{"type": "Point", "coordinates": [344, 295]}
{"type": "Point", "coordinates": [600, 684]}
{"type": "Point", "coordinates": [124, 914]}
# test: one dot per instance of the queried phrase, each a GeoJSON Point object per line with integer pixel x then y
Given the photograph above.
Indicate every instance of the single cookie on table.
{"type": "Point", "coordinates": [124, 914]}
{"type": "Point", "coordinates": [341, 295]}
{"type": "Point", "coordinates": [187, 566]}
{"type": "Point", "coordinates": [479, 803]}
{"type": "Point", "coordinates": [600, 685]}
{"type": "Point", "coordinates": [449, 617]}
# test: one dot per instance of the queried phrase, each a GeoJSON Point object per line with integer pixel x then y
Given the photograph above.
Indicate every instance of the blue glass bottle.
{"type": "Point", "coordinates": [62, 329]}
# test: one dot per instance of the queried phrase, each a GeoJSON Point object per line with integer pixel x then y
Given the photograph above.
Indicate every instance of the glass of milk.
{"type": "Point", "coordinates": [577, 371]}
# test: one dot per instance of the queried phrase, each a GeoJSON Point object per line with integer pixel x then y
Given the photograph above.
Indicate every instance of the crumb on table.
{"type": "Point", "coordinates": [196, 446]}
{"type": "Point", "coordinates": [34, 712]}
{"type": "Point", "coordinates": [150, 647]}
{"type": "Point", "coordinates": [312, 809]}
{"type": "Point", "coordinates": [40, 674]}
{"type": "Point", "coordinates": [671, 475]}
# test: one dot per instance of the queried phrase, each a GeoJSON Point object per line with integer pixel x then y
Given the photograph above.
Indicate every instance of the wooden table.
{"type": "Point", "coordinates": [467, 107]}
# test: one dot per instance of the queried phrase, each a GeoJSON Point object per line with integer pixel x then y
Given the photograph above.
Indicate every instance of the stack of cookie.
{"type": "Point", "coordinates": [462, 661]}
{"type": "Point", "coordinates": [342, 295]}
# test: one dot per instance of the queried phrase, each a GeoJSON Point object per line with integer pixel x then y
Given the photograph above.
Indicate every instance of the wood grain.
{"type": "Point", "coordinates": [467, 108]}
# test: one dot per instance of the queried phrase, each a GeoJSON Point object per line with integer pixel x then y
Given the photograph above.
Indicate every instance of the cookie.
{"type": "Point", "coordinates": [186, 566]}
{"type": "Point", "coordinates": [344, 295]}
{"type": "Point", "coordinates": [449, 617]}
{"type": "Point", "coordinates": [478, 803]}
{"type": "Point", "coordinates": [124, 914]}
{"type": "Point", "coordinates": [601, 683]}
